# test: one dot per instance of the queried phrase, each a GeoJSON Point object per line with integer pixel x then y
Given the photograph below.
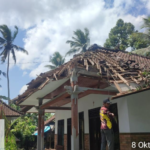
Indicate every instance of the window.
{"type": "Point", "coordinates": [60, 132]}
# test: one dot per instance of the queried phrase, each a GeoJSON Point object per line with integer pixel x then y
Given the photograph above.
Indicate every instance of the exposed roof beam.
{"type": "Point", "coordinates": [54, 100]}
{"type": "Point", "coordinates": [57, 91]}
{"type": "Point", "coordinates": [26, 108]}
{"type": "Point", "coordinates": [59, 108]}
{"type": "Point", "coordinates": [97, 92]}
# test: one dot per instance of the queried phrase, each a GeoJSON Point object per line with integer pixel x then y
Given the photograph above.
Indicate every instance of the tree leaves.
{"type": "Point", "coordinates": [80, 42]}
{"type": "Point", "coordinates": [6, 43]}
{"type": "Point", "coordinates": [56, 60]}
{"type": "Point", "coordinates": [119, 35]}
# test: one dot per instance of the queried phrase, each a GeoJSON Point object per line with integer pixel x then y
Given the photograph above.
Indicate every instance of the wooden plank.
{"type": "Point", "coordinates": [134, 80]}
{"type": "Point", "coordinates": [59, 108]}
{"type": "Point", "coordinates": [86, 64]}
{"type": "Point", "coordinates": [26, 108]}
{"type": "Point", "coordinates": [96, 92]}
{"type": "Point", "coordinates": [54, 100]}
{"type": "Point", "coordinates": [57, 91]}
{"type": "Point", "coordinates": [118, 87]}
{"type": "Point", "coordinates": [55, 76]}
{"type": "Point", "coordinates": [91, 61]}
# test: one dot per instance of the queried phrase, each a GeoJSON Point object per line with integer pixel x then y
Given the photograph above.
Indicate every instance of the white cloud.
{"type": "Point", "coordinates": [53, 23]}
{"type": "Point", "coordinates": [24, 73]}
{"type": "Point", "coordinates": [41, 68]}
{"type": "Point", "coordinates": [23, 89]}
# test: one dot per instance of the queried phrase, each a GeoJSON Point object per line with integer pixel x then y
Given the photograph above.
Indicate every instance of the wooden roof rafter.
{"type": "Point", "coordinates": [128, 68]}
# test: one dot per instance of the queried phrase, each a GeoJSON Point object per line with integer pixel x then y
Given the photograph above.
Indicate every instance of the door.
{"type": "Point", "coordinates": [81, 131]}
{"type": "Point", "coordinates": [60, 132]}
{"type": "Point", "coordinates": [69, 134]}
{"type": "Point", "coordinates": [113, 108]}
{"type": "Point", "coordinates": [94, 129]}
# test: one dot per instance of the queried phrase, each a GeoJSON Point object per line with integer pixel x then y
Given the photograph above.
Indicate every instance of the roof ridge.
{"type": "Point", "coordinates": [96, 47]}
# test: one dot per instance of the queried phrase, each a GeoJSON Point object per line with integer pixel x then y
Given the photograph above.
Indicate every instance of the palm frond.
{"type": "Point", "coordinates": [20, 49]}
{"type": "Point", "coordinates": [4, 97]}
{"type": "Point", "coordinates": [143, 35]}
{"type": "Point", "coordinates": [80, 41]}
{"type": "Point", "coordinates": [4, 55]}
{"type": "Point", "coordinates": [51, 67]}
{"type": "Point", "coordinates": [3, 73]}
{"type": "Point", "coordinates": [15, 33]}
{"type": "Point", "coordinates": [86, 32]}
{"type": "Point", "coordinates": [6, 32]}
{"type": "Point", "coordinates": [72, 51]}
{"type": "Point", "coordinates": [2, 41]}
{"type": "Point", "coordinates": [13, 54]}
{"type": "Point", "coordinates": [146, 23]}
{"type": "Point", "coordinates": [1, 47]}
{"type": "Point", "coordinates": [56, 60]}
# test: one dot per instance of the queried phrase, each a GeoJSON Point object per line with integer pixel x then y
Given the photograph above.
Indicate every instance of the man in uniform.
{"type": "Point", "coordinates": [107, 135]}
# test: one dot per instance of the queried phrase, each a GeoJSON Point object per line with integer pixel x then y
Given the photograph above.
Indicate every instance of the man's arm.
{"type": "Point", "coordinates": [111, 114]}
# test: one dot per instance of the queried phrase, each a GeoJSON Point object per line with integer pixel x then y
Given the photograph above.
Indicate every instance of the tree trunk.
{"type": "Point", "coordinates": [8, 79]}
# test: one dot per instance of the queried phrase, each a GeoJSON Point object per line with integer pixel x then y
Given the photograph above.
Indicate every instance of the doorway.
{"type": "Point", "coordinates": [94, 128]}
{"type": "Point", "coordinates": [81, 131]}
{"type": "Point", "coordinates": [69, 134]}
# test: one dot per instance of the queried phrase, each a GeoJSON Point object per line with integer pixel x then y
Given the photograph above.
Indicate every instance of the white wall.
{"type": "Point", "coordinates": [90, 102]}
{"type": "Point", "coordinates": [123, 114]}
{"type": "Point", "coordinates": [133, 112]}
{"type": "Point", "coordinates": [139, 110]}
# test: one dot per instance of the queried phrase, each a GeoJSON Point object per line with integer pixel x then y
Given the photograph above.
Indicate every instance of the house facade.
{"type": "Point", "coordinates": [132, 117]}
{"type": "Point", "coordinates": [75, 92]}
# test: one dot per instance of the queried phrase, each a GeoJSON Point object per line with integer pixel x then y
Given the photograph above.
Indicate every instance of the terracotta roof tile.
{"type": "Point", "coordinates": [8, 111]}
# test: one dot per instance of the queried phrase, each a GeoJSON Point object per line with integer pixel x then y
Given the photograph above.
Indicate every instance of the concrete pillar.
{"type": "Point", "coordinates": [40, 136]}
{"type": "Point", "coordinates": [39, 131]}
{"type": "Point", "coordinates": [42, 130]}
{"type": "Point", "coordinates": [74, 115]}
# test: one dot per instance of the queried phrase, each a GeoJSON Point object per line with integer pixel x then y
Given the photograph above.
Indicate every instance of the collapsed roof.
{"type": "Point", "coordinates": [114, 66]}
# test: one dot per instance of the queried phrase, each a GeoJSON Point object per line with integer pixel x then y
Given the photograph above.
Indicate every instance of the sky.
{"type": "Point", "coordinates": [46, 25]}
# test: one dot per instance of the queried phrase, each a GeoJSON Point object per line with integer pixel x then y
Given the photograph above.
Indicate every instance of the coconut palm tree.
{"type": "Point", "coordinates": [146, 25]}
{"type": "Point", "coordinates": [80, 42]}
{"type": "Point", "coordinates": [7, 47]}
{"type": "Point", "coordinates": [56, 60]}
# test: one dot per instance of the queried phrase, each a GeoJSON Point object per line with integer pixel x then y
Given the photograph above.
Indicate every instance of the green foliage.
{"type": "Point", "coordinates": [56, 60]}
{"type": "Point", "coordinates": [34, 117]}
{"type": "Point", "coordinates": [142, 39]}
{"type": "Point", "coordinates": [119, 35]}
{"type": "Point", "coordinates": [16, 107]}
{"type": "Point", "coordinates": [143, 51]}
{"type": "Point", "coordinates": [146, 25]}
{"type": "Point", "coordinates": [10, 139]}
{"type": "Point", "coordinates": [137, 41]}
{"type": "Point", "coordinates": [10, 143]}
{"type": "Point", "coordinates": [47, 116]}
{"type": "Point", "coordinates": [2, 73]}
{"type": "Point", "coordinates": [6, 43]}
{"type": "Point", "coordinates": [146, 84]}
{"type": "Point", "coordinates": [23, 129]}
{"type": "Point", "coordinates": [7, 47]}
{"type": "Point", "coordinates": [80, 41]}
